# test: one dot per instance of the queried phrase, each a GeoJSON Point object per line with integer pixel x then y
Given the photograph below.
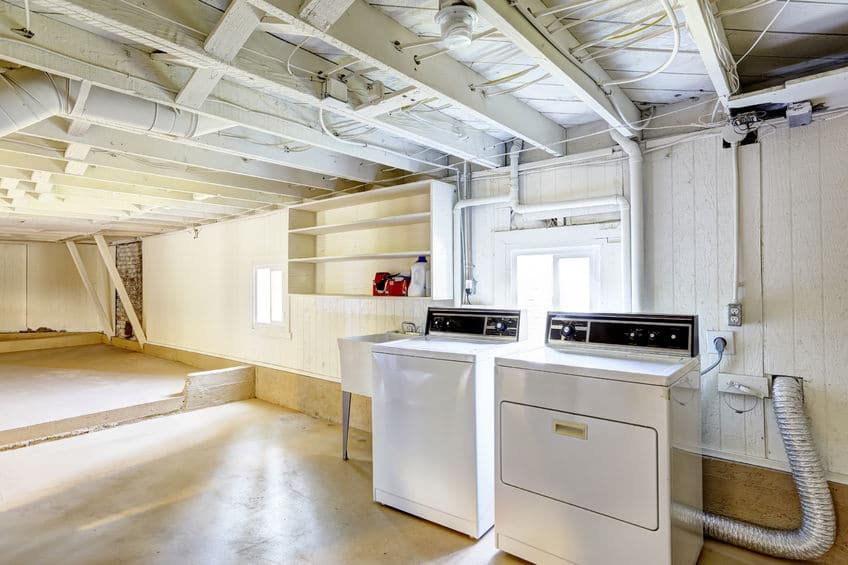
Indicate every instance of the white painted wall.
{"type": "Point", "coordinates": [40, 287]}
{"type": "Point", "coordinates": [794, 266]}
{"type": "Point", "coordinates": [492, 239]}
{"type": "Point", "coordinates": [198, 296]}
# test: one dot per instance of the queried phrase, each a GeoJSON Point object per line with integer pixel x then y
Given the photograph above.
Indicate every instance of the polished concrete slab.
{"type": "Point", "coordinates": [48, 393]}
{"type": "Point", "coordinates": [246, 482]}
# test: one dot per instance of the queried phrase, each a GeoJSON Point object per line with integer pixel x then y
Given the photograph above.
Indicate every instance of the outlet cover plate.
{"type": "Point", "coordinates": [729, 337]}
{"type": "Point", "coordinates": [759, 385]}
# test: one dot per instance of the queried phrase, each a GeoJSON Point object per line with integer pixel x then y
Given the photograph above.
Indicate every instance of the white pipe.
{"type": "Point", "coordinates": [634, 152]}
{"type": "Point", "coordinates": [28, 96]}
{"type": "Point", "coordinates": [734, 151]}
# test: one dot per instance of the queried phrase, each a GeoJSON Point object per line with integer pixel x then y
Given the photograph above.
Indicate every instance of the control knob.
{"type": "Point", "coordinates": [653, 335]}
{"type": "Point", "coordinates": [568, 332]}
{"type": "Point", "coordinates": [500, 326]}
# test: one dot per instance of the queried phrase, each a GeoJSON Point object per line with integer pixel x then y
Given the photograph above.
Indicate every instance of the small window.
{"type": "Point", "coordinates": [268, 299]}
{"type": "Point", "coordinates": [551, 281]}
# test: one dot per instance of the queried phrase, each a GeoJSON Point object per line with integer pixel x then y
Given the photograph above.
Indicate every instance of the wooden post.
{"type": "Point", "coordinates": [108, 260]}
{"type": "Point", "coordinates": [108, 328]}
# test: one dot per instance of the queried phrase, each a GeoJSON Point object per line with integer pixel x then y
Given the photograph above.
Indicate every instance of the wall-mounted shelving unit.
{"type": "Point", "coordinates": [337, 244]}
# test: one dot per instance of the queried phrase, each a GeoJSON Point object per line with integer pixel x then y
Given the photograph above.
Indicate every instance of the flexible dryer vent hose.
{"type": "Point", "coordinates": [818, 522]}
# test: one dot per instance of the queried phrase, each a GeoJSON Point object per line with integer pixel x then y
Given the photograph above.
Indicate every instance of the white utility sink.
{"type": "Point", "coordinates": [355, 357]}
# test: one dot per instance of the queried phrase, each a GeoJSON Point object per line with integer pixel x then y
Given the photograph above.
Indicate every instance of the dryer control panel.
{"type": "Point", "coordinates": [474, 322]}
{"type": "Point", "coordinates": [660, 333]}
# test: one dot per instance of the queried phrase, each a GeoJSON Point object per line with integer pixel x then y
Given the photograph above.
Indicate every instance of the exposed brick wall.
{"type": "Point", "coordinates": [128, 261]}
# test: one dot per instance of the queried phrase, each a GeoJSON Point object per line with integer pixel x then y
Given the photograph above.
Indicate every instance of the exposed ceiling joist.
{"type": "Point", "coordinates": [290, 181]}
{"type": "Point", "coordinates": [552, 53]}
{"type": "Point", "coordinates": [230, 34]}
{"type": "Point", "coordinates": [830, 88]}
{"type": "Point", "coordinates": [162, 30]}
{"type": "Point", "coordinates": [70, 51]}
{"type": "Point", "coordinates": [700, 23]}
{"type": "Point", "coordinates": [118, 170]}
{"type": "Point", "coordinates": [443, 78]}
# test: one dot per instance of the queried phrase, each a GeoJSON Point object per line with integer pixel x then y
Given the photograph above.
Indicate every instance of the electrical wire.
{"type": "Point", "coordinates": [720, 345]}
{"type": "Point", "coordinates": [672, 18]}
{"type": "Point", "coordinates": [741, 9]}
{"type": "Point", "coordinates": [763, 33]}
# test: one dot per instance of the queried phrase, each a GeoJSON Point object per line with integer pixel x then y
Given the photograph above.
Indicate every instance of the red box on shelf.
{"type": "Point", "coordinates": [388, 284]}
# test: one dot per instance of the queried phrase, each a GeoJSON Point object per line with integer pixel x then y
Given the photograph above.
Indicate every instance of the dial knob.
{"type": "Point", "coordinates": [438, 323]}
{"type": "Point", "coordinates": [568, 331]}
{"type": "Point", "coordinates": [634, 334]}
{"type": "Point", "coordinates": [500, 326]}
{"type": "Point", "coordinates": [653, 335]}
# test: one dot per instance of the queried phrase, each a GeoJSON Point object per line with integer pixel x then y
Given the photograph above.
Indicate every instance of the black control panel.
{"type": "Point", "coordinates": [503, 324]}
{"type": "Point", "coordinates": [662, 333]}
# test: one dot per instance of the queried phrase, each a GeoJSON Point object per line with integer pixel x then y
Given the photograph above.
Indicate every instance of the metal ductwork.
{"type": "Point", "coordinates": [817, 532]}
{"type": "Point", "coordinates": [28, 96]}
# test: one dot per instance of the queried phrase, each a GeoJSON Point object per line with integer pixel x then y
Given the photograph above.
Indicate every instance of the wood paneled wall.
{"type": "Point", "coordinates": [794, 270]}
{"type": "Point", "coordinates": [198, 297]}
{"type": "Point", "coordinates": [793, 266]}
{"type": "Point", "coordinates": [40, 287]}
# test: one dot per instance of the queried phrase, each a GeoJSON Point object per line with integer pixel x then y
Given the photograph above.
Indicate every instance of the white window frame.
{"type": "Point", "coordinates": [571, 241]}
{"type": "Point", "coordinates": [272, 329]}
{"type": "Point", "coordinates": [593, 253]}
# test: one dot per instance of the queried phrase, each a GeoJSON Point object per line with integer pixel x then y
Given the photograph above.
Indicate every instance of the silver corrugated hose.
{"type": "Point", "coordinates": [818, 521]}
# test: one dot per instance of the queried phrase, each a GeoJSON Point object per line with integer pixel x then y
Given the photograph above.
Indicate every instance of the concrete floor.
{"type": "Point", "coordinates": [44, 393]}
{"type": "Point", "coordinates": [246, 482]}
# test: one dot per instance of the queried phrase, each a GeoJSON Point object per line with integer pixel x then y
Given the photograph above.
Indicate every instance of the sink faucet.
{"type": "Point", "coordinates": [409, 328]}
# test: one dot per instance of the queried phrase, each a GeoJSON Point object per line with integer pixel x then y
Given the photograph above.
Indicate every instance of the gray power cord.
{"type": "Point", "coordinates": [720, 344]}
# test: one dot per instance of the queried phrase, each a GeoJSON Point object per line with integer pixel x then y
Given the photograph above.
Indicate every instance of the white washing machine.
{"type": "Point", "coordinates": [597, 434]}
{"type": "Point", "coordinates": [433, 417]}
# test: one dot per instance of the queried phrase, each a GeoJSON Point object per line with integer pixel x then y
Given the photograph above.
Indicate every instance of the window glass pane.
{"type": "Point", "coordinates": [276, 295]}
{"type": "Point", "coordinates": [263, 295]}
{"type": "Point", "coordinates": [535, 290]}
{"type": "Point", "coordinates": [575, 284]}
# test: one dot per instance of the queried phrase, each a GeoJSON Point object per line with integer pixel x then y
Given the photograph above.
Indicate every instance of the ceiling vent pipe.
{"type": "Point", "coordinates": [456, 19]}
{"type": "Point", "coordinates": [28, 96]}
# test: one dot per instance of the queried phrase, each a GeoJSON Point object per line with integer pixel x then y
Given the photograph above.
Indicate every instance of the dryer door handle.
{"type": "Point", "coordinates": [576, 430]}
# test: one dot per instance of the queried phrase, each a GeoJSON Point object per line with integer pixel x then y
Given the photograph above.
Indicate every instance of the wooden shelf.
{"type": "Point", "coordinates": [384, 222]}
{"type": "Point", "coordinates": [364, 257]}
{"type": "Point", "coordinates": [376, 195]}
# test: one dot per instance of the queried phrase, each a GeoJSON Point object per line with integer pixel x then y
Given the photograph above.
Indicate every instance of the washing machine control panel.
{"type": "Point", "coordinates": [660, 333]}
{"type": "Point", "coordinates": [474, 322]}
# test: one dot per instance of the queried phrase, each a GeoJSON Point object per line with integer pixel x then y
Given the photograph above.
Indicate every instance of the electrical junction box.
{"type": "Point", "coordinates": [799, 114]}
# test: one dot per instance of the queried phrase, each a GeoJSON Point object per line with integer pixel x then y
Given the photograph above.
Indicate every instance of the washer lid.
{"type": "Point", "coordinates": [657, 370]}
{"type": "Point", "coordinates": [466, 350]}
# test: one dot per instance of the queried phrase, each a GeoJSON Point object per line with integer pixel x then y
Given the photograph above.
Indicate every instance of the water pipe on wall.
{"type": "Point", "coordinates": [637, 249]}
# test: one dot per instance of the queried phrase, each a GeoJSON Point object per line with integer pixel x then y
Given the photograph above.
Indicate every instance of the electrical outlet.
{"type": "Point", "coordinates": [734, 314]}
{"type": "Point", "coordinates": [729, 337]}
{"type": "Point", "coordinates": [748, 385]}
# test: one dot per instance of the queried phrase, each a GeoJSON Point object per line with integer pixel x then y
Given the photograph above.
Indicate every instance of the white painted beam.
{"type": "Point", "coordinates": [109, 262]}
{"type": "Point", "coordinates": [323, 13]}
{"type": "Point", "coordinates": [830, 87]}
{"type": "Point", "coordinates": [119, 67]}
{"type": "Point", "coordinates": [443, 78]}
{"type": "Point", "coordinates": [105, 321]}
{"type": "Point", "coordinates": [551, 52]}
{"type": "Point", "coordinates": [196, 154]}
{"type": "Point", "coordinates": [699, 23]}
{"type": "Point", "coordinates": [114, 170]}
{"type": "Point", "coordinates": [229, 36]}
